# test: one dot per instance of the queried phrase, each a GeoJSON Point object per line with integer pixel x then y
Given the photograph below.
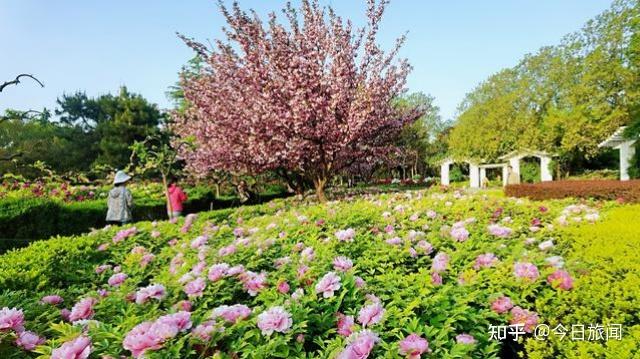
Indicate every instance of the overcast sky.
{"type": "Point", "coordinates": [97, 46]}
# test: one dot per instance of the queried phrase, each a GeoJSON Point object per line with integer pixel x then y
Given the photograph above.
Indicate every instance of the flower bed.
{"type": "Point", "coordinates": [627, 191]}
{"type": "Point", "coordinates": [405, 274]}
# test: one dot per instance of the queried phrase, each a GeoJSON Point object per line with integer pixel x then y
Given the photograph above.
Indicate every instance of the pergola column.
{"type": "Point", "coordinates": [545, 172]}
{"type": "Point", "coordinates": [483, 175]}
{"type": "Point", "coordinates": [474, 175]}
{"type": "Point", "coordinates": [444, 173]}
{"type": "Point", "coordinates": [514, 162]}
{"type": "Point", "coordinates": [505, 175]}
{"type": "Point", "coordinates": [627, 151]}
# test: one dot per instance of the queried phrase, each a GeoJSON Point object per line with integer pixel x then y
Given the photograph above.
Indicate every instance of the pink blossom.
{"type": "Point", "coordinates": [82, 309]}
{"type": "Point", "coordinates": [526, 318]}
{"type": "Point", "coordinates": [283, 287]}
{"type": "Point", "coordinates": [217, 271]}
{"type": "Point", "coordinates": [297, 294]}
{"type": "Point", "coordinates": [389, 228]}
{"type": "Point", "coordinates": [225, 251]}
{"type": "Point", "coordinates": [371, 314]}
{"type": "Point", "coordinates": [231, 314]}
{"type": "Point", "coordinates": [102, 268]}
{"type": "Point", "coordinates": [78, 348]}
{"type": "Point", "coordinates": [51, 299]}
{"type": "Point", "coordinates": [431, 214]}
{"type": "Point", "coordinates": [154, 291]}
{"type": "Point", "coordinates": [459, 233]}
{"type": "Point", "coordinates": [188, 222]}
{"type": "Point", "coordinates": [465, 339]}
{"type": "Point", "coordinates": [360, 345]}
{"type": "Point", "coordinates": [235, 270]}
{"type": "Point", "coordinates": [501, 305]}
{"type": "Point", "coordinates": [425, 247]}
{"type": "Point", "coordinates": [342, 264]}
{"type": "Point", "coordinates": [65, 314]}
{"type": "Point", "coordinates": [500, 231]}
{"type": "Point", "coordinates": [204, 330]}
{"type": "Point", "coordinates": [440, 262]}
{"type": "Point", "coordinates": [11, 319]}
{"type": "Point", "coordinates": [238, 231]}
{"type": "Point", "coordinates": [180, 320]}
{"type": "Point", "coordinates": [199, 241]}
{"type": "Point", "coordinates": [360, 283]}
{"type": "Point", "coordinates": [346, 235]}
{"type": "Point", "coordinates": [274, 319]}
{"type": "Point", "coordinates": [183, 305]}
{"type": "Point", "coordinates": [253, 282]}
{"type": "Point", "coordinates": [301, 271]}
{"type": "Point", "coordinates": [413, 346]}
{"type": "Point", "coordinates": [195, 288]}
{"type": "Point", "coordinates": [145, 336]}
{"type": "Point", "coordinates": [146, 259]}
{"type": "Point", "coordinates": [526, 271]}
{"type": "Point", "coordinates": [394, 241]}
{"type": "Point", "coordinates": [436, 278]}
{"type": "Point", "coordinates": [28, 340]}
{"type": "Point", "coordinates": [345, 324]}
{"type": "Point", "coordinates": [124, 234]}
{"type": "Point", "coordinates": [485, 260]}
{"type": "Point", "coordinates": [308, 254]}
{"type": "Point", "coordinates": [117, 279]}
{"type": "Point", "coordinates": [560, 279]}
{"type": "Point", "coordinates": [328, 284]}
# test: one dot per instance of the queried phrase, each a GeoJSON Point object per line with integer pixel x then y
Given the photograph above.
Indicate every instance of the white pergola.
{"type": "Point", "coordinates": [485, 167]}
{"type": "Point", "coordinates": [514, 157]}
{"type": "Point", "coordinates": [474, 173]}
{"type": "Point", "coordinates": [626, 147]}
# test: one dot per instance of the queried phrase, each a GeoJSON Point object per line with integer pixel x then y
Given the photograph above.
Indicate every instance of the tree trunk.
{"type": "Point", "coordinates": [319, 183]}
{"type": "Point", "coordinates": [217, 190]}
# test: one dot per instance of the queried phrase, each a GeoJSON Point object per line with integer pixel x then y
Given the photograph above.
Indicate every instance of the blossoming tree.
{"type": "Point", "coordinates": [312, 96]}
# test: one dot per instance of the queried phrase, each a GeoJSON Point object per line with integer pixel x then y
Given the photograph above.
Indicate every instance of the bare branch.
{"type": "Point", "coordinates": [17, 81]}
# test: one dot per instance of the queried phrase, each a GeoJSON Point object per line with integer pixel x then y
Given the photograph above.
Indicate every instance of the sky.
{"type": "Point", "coordinates": [98, 46]}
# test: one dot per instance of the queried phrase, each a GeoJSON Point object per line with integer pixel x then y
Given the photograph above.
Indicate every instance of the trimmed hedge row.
{"type": "Point", "coordinates": [627, 191]}
{"type": "Point", "coordinates": [22, 221]}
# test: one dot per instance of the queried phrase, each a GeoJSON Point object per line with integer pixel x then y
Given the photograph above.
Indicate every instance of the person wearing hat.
{"type": "Point", "coordinates": [120, 200]}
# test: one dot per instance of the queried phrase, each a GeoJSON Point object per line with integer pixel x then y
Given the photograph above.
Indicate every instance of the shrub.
{"type": "Point", "coordinates": [420, 292]}
{"type": "Point", "coordinates": [628, 191]}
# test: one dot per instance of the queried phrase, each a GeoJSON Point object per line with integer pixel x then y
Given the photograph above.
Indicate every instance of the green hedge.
{"type": "Point", "coordinates": [22, 221]}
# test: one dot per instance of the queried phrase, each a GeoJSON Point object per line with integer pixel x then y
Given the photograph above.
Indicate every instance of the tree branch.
{"type": "Point", "coordinates": [17, 81]}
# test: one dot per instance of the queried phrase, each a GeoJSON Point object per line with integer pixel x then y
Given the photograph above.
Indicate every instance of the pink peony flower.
{"type": "Point", "coordinates": [124, 234]}
{"type": "Point", "coordinates": [485, 260]}
{"type": "Point", "coordinates": [183, 305]}
{"type": "Point", "coordinates": [204, 330]}
{"type": "Point", "coordinates": [82, 309]}
{"type": "Point", "coordinates": [78, 348]}
{"type": "Point", "coordinates": [52, 299]}
{"type": "Point", "coordinates": [459, 233]}
{"type": "Point", "coordinates": [199, 241]}
{"type": "Point", "coordinates": [346, 235]}
{"type": "Point", "coordinates": [360, 283]}
{"type": "Point", "coordinates": [195, 288]}
{"type": "Point", "coordinates": [424, 247]}
{"type": "Point", "coordinates": [28, 340]}
{"type": "Point", "coordinates": [501, 305]}
{"type": "Point", "coordinates": [436, 278]}
{"type": "Point", "coordinates": [231, 314]}
{"type": "Point", "coordinates": [225, 251]}
{"type": "Point", "coordinates": [500, 231]}
{"type": "Point", "coordinates": [146, 259]}
{"type": "Point", "coordinates": [342, 264]}
{"type": "Point", "coordinates": [389, 228]}
{"type": "Point", "coordinates": [283, 287]}
{"type": "Point", "coordinates": [308, 254]}
{"type": "Point", "coordinates": [65, 314]}
{"type": "Point", "coordinates": [235, 270]}
{"type": "Point", "coordinates": [328, 284]}
{"type": "Point", "coordinates": [526, 318]}
{"type": "Point", "coordinates": [440, 262]}
{"type": "Point", "coordinates": [465, 339]}
{"type": "Point", "coordinates": [102, 268]}
{"type": "Point", "coordinates": [360, 345]}
{"type": "Point", "coordinates": [560, 279]}
{"type": "Point", "coordinates": [275, 319]}
{"type": "Point", "coordinates": [297, 294]}
{"type": "Point", "coordinates": [117, 279]}
{"type": "Point", "coordinates": [145, 336]}
{"type": "Point", "coordinates": [253, 282]}
{"type": "Point", "coordinates": [301, 271]}
{"type": "Point", "coordinates": [371, 314]}
{"type": "Point", "coordinates": [154, 291]}
{"type": "Point", "coordinates": [394, 241]}
{"type": "Point", "coordinates": [526, 271]}
{"type": "Point", "coordinates": [345, 324]}
{"type": "Point", "coordinates": [413, 346]}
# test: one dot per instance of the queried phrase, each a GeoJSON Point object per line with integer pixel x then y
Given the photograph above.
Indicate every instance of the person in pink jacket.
{"type": "Point", "coordinates": [176, 197]}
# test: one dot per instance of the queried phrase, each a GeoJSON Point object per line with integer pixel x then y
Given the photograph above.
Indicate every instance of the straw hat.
{"type": "Point", "coordinates": [121, 177]}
